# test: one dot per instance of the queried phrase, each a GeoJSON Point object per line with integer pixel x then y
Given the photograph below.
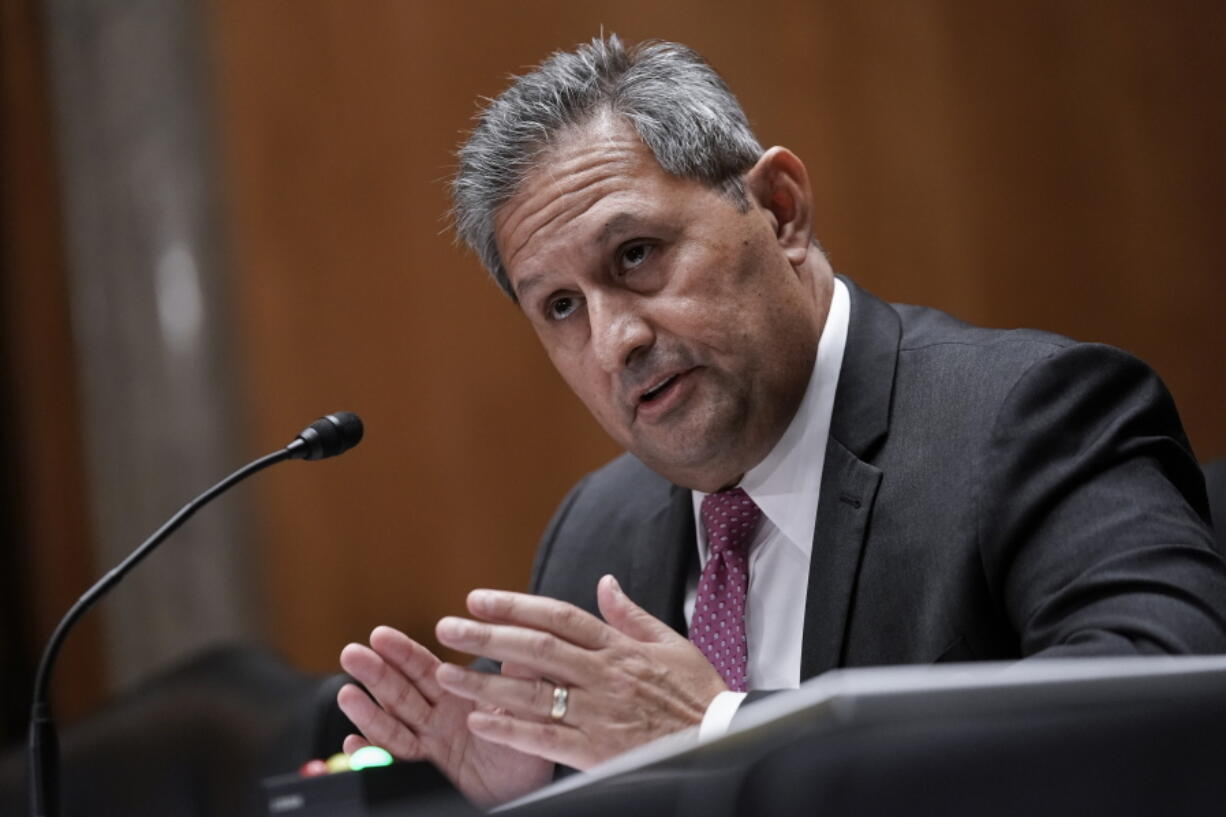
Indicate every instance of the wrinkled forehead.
{"type": "Point", "coordinates": [577, 169]}
{"type": "Point", "coordinates": [603, 133]}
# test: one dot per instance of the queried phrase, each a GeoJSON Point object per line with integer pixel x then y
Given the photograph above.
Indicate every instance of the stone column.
{"type": "Point", "coordinates": [157, 365]}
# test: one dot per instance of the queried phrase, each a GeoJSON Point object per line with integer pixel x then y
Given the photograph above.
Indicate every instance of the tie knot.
{"type": "Point", "coordinates": [730, 519]}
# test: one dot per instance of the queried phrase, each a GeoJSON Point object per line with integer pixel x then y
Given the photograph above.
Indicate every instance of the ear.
{"type": "Point", "coordinates": [779, 182]}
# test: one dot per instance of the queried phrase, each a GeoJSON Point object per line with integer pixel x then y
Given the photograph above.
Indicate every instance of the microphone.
{"type": "Point", "coordinates": [328, 436]}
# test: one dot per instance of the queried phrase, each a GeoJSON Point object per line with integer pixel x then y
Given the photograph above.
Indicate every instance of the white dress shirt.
{"type": "Point", "coordinates": [785, 486]}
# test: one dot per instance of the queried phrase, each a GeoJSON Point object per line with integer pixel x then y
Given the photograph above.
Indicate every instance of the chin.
{"type": "Point", "coordinates": [706, 463]}
{"type": "Point", "coordinates": [708, 441]}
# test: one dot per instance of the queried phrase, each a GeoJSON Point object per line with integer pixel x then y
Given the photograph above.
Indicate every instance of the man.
{"type": "Point", "coordinates": [815, 478]}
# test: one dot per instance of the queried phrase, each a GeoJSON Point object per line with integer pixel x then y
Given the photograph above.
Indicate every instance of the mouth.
{"type": "Point", "coordinates": [658, 389]}
{"type": "Point", "coordinates": [662, 396]}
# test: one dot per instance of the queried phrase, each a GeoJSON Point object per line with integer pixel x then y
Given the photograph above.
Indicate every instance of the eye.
{"type": "Point", "coordinates": [561, 307]}
{"type": "Point", "coordinates": [634, 255]}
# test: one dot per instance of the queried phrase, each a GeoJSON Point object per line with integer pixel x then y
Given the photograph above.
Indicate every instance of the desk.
{"type": "Point", "coordinates": [1084, 737]}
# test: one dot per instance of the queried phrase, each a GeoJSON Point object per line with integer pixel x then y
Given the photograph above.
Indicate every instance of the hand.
{"type": "Point", "coordinates": [416, 719]}
{"type": "Point", "coordinates": [630, 681]}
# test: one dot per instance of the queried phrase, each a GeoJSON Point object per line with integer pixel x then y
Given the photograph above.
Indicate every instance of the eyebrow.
{"type": "Point", "coordinates": [525, 286]}
{"type": "Point", "coordinates": [619, 223]}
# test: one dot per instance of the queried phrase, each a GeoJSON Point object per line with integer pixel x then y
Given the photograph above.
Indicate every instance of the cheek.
{"type": "Point", "coordinates": [717, 317]}
{"type": "Point", "coordinates": [589, 383]}
{"type": "Point", "coordinates": [727, 303]}
{"type": "Point", "coordinates": [709, 326]}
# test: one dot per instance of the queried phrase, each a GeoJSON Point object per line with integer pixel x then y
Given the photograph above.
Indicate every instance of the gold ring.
{"type": "Point", "coordinates": [560, 696]}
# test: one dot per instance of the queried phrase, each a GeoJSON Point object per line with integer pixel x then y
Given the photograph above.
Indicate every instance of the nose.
{"type": "Point", "coordinates": [620, 330]}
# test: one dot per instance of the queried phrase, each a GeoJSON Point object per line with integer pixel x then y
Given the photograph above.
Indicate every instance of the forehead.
{"type": "Point", "coordinates": [590, 179]}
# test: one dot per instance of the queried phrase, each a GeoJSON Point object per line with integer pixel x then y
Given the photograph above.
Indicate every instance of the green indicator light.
{"type": "Point", "coordinates": [369, 756]}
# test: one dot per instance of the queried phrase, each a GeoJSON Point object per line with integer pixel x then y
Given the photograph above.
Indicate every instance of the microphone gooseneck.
{"type": "Point", "coordinates": [326, 437]}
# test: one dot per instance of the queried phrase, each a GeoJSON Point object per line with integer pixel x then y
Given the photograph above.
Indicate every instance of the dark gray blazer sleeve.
{"type": "Point", "coordinates": [550, 536]}
{"type": "Point", "coordinates": [1093, 522]}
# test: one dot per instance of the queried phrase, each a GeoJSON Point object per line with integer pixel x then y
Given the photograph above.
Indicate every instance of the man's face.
{"type": "Point", "coordinates": [673, 315]}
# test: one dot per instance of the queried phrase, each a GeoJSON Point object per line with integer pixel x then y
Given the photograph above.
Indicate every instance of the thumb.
{"type": "Point", "coordinates": [627, 617]}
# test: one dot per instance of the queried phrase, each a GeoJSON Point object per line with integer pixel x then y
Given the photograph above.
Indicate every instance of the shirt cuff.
{"type": "Point", "coordinates": [719, 714]}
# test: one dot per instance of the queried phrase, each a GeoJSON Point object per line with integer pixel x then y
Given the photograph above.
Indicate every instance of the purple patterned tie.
{"type": "Point", "coordinates": [718, 624]}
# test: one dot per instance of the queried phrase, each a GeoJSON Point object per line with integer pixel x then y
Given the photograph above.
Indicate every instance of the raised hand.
{"type": "Point", "coordinates": [416, 719]}
{"type": "Point", "coordinates": [628, 681]}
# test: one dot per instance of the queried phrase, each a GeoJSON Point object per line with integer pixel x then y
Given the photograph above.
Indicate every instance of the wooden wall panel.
{"type": "Point", "coordinates": [1048, 164]}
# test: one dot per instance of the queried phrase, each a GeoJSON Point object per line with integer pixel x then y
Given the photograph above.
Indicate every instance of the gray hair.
{"type": "Point", "coordinates": [680, 107]}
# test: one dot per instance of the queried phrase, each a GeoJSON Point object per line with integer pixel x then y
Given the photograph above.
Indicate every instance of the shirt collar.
{"type": "Point", "coordinates": [786, 484]}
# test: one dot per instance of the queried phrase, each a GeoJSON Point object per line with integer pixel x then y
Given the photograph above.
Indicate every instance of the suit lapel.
{"type": "Point", "coordinates": [858, 425]}
{"type": "Point", "coordinates": [661, 558]}
{"type": "Point", "coordinates": [862, 401]}
{"type": "Point", "coordinates": [849, 489]}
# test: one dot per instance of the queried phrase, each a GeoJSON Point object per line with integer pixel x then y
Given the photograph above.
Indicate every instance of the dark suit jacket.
{"type": "Point", "coordinates": [986, 495]}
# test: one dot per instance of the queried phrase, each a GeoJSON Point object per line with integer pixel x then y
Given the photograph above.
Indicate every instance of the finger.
{"type": "Point", "coordinates": [415, 661]}
{"type": "Point", "coordinates": [540, 613]}
{"type": "Point", "coordinates": [627, 617]}
{"type": "Point", "coordinates": [385, 683]}
{"type": "Point", "coordinates": [541, 652]}
{"type": "Point", "coordinates": [378, 726]}
{"type": "Point", "coordinates": [352, 743]}
{"type": "Point", "coordinates": [552, 741]}
{"type": "Point", "coordinates": [526, 698]}
{"type": "Point", "coordinates": [513, 670]}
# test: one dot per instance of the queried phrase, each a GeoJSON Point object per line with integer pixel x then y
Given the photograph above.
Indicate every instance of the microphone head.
{"type": "Point", "coordinates": [328, 436]}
